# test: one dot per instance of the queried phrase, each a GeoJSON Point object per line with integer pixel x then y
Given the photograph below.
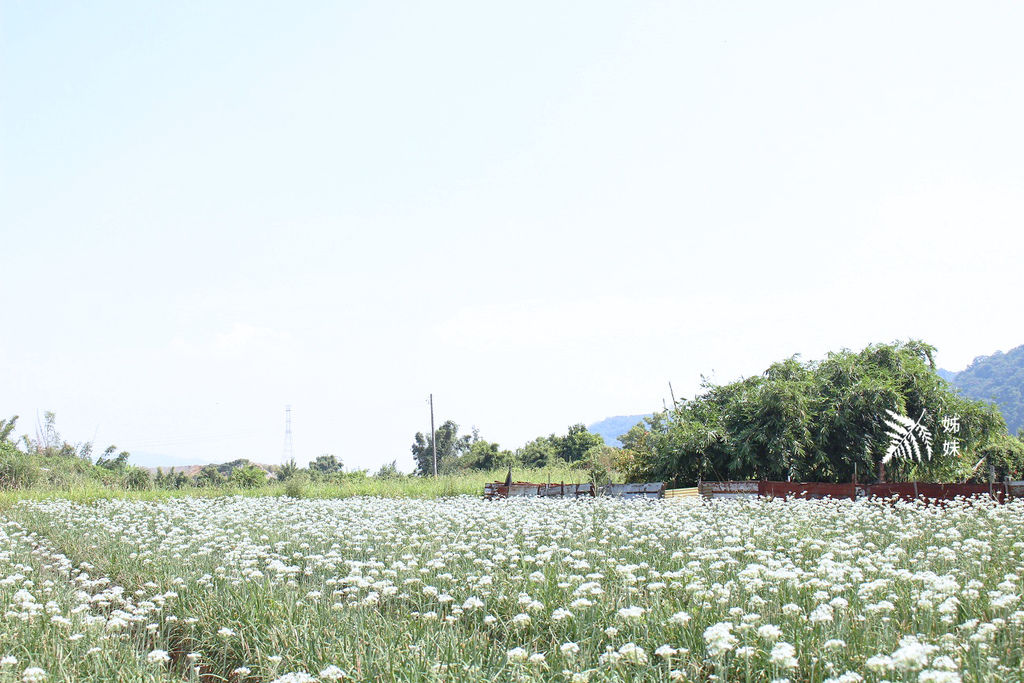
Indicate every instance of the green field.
{"type": "Point", "coordinates": [83, 487]}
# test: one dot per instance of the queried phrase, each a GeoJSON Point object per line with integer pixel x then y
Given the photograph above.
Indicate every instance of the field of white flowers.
{"type": "Point", "coordinates": [274, 589]}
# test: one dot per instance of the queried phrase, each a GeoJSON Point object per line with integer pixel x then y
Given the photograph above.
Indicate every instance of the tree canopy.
{"type": "Point", "coordinates": [457, 452]}
{"type": "Point", "coordinates": [450, 447]}
{"type": "Point", "coordinates": [821, 420]}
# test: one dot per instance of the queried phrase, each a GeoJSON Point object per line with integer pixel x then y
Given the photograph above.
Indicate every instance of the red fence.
{"type": "Point", "coordinates": [782, 489]}
{"type": "Point", "coordinates": [903, 490]}
{"type": "Point", "coordinates": [912, 490]}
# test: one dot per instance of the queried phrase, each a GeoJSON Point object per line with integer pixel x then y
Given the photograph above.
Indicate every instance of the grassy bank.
{"type": "Point", "coordinates": [86, 488]}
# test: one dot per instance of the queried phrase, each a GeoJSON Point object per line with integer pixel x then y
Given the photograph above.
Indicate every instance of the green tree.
{"type": "Point", "coordinates": [209, 475]}
{"type": "Point", "coordinates": [110, 461]}
{"type": "Point", "coordinates": [1005, 455]}
{"type": "Point", "coordinates": [326, 464]}
{"type": "Point", "coordinates": [138, 479]}
{"type": "Point", "coordinates": [389, 471]}
{"type": "Point", "coordinates": [552, 450]}
{"type": "Point", "coordinates": [599, 462]}
{"type": "Point", "coordinates": [574, 445]}
{"type": "Point", "coordinates": [228, 467]}
{"type": "Point", "coordinates": [287, 470]}
{"type": "Point", "coordinates": [541, 452]}
{"type": "Point", "coordinates": [248, 477]}
{"type": "Point", "coordinates": [450, 447]}
{"type": "Point", "coordinates": [486, 455]}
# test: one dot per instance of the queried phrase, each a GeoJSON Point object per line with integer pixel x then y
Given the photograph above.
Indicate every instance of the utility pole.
{"type": "Point", "coordinates": [433, 434]}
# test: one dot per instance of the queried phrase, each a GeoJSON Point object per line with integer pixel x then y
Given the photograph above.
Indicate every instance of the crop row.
{"type": "Point", "coordinates": [460, 589]}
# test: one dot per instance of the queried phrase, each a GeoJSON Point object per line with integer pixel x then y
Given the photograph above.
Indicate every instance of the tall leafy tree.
{"type": "Point", "coordinates": [541, 452]}
{"type": "Point", "coordinates": [485, 455]}
{"type": "Point", "coordinates": [326, 464]}
{"type": "Point", "coordinates": [551, 450]}
{"type": "Point", "coordinates": [574, 445]}
{"type": "Point", "coordinates": [450, 447]}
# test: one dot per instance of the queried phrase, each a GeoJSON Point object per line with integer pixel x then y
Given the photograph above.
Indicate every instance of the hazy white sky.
{"type": "Point", "coordinates": [541, 212]}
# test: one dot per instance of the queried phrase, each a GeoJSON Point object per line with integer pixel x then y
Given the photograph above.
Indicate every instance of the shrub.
{"type": "Point", "coordinates": [17, 471]}
{"type": "Point", "coordinates": [248, 477]}
{"type": "Point", "coordinates": [138, 479]}
{"type": "Point", "coordinates": [295, 486]}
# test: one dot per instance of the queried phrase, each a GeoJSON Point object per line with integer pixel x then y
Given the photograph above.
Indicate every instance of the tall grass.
{"type": "Point", "coordinates": [85, 489]}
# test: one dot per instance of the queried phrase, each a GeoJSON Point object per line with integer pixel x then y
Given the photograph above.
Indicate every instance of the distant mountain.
{"type": "Point", "coordinates": [194, 470]}
{"type": "Point", "coordinates": [611, 428]}
{"type": "Point", "coordinates": [187, 470]}
{"type": "Point", "coordinates": [998, 378]}
{"type": "Point", "coordinates": [150, 460]}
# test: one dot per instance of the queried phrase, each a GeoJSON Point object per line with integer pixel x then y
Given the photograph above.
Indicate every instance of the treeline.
{"type": "Point", "coordinates": [825, 421]}
{"type": "Point", "coordinates": [456, 453]}
{"type": "Point", "coordinates": [48, 461]}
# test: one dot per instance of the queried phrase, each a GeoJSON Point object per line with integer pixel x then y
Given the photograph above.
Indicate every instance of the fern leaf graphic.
{"type": "Point", "coordinates": [925, 436]}
{"type": "Point", "coordinates": [907, 438]}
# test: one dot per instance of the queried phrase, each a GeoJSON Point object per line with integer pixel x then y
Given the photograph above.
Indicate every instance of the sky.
{"type": "Point", "coordinates": [539, 212]}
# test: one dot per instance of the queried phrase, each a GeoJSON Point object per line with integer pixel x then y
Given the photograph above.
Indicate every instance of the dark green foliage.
{"type": "Point", "coordinates": [815, 421]}
{"type": "Point", "coordinates": [138, 479]}
{"type": "Point", "coordinates": [599, 462]}
{"type": "Point", "coordinates": [552, 450]}
{"type": "Point", "coordinates": [389, 471]}
{"type": "Point", "coordinates": [458, 453]}
{"type": "Point", "coordinates": [17, 471]}
{"type": "Point", "coordinates": [541, 452]}
{"type": "Point", "coordinates": [485, 455]}
{"type": "Point", "coordinates": [210, 476]}
{"type": "Point", "coordinates": [450, 447]}
{"type": "Point", "coordinates": [228, 467]}
{"type": "Point", "coordinates": [326, 464]}
{"type": "Point", "coordinates": [574, 445]}
{"type": "Point", "coordinates": [998, 378]}
{"type": "Point", "coordinates": [248, 477]}
{"type": "Point", "coordinates": [296, 486]}
{"type": "Point", "coordinates": [171, 480]}
{"type": "Point", "coordinates": [1006, 454]}
{"type": "Point", "coordinates": [109, 461]}
{"type": "Point", "coordinates": [51, 466]}
{"type": "Point", "coordinates": [287, 471]}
